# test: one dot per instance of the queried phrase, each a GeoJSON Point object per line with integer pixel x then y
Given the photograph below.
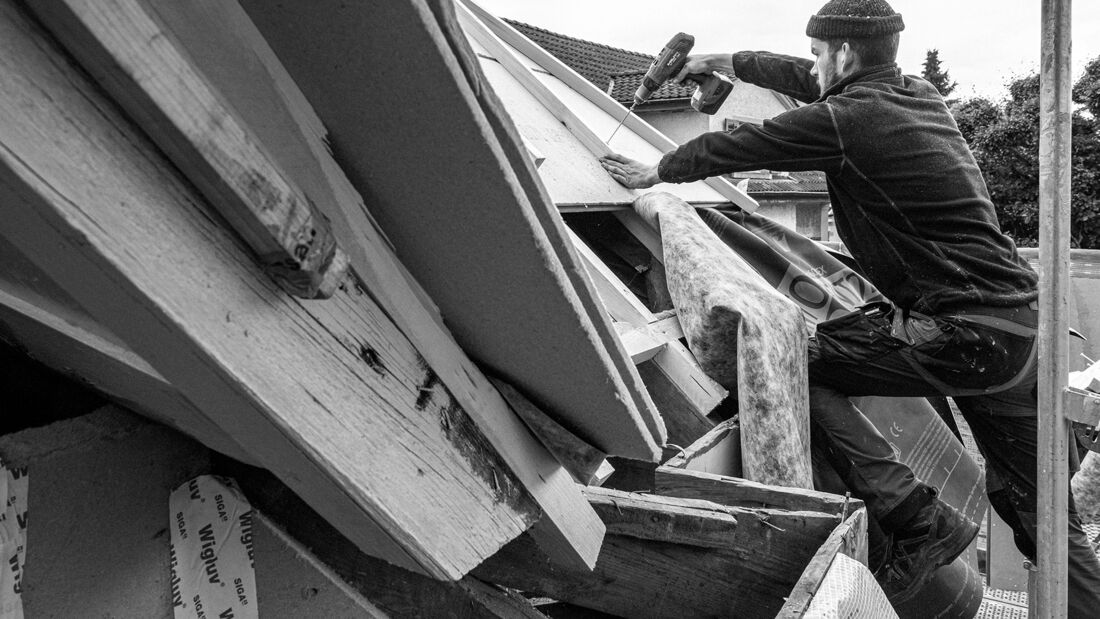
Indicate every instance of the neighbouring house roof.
{"type": "Point", "coordinates": [811, 182]}
{"type": "Point", "coordinates": [623, 86]}
{"type": "Point", "coordinates": [614, 71]}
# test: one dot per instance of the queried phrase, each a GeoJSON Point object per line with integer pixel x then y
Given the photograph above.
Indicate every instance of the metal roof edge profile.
{"type": "Point", "coordinates": [605, 102]}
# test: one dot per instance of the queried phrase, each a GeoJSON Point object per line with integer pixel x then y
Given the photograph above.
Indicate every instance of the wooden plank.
{"type": "Point", "coordinates": [451, 226]}
{"type": "Point", "coordinates": [582, 460]}
{"type": "Point", "coordinates": [291, 239]}
{"type": "Point", "coordinates": [213, 31]}
{"type": "Point", "coordinates": [597, 97]}
{"type": "Point", "coordinates": [850, 539]}
{"type": "Point", "coordinates": [622, 304]}
{"type": "Point", "coordinates": [325, 395]}
{"type": "Point", "coordinates": [644, 342]}
{"type": "Point", "coordinates": [668, 557]}
{"type": "Point", "coordinates": [718, 451]}
{"type": "Point", "coordinates": [685, 421]}
{"type": "Point", "coordinates": [688, 484]}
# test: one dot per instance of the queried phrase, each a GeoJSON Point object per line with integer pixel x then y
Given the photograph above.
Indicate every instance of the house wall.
{"type": "Point", "coordinates": [679, 125]}
{"type": "Point", "coordinates": [807, 217]}
{"type": "Point", "coordinates": [683, 123]}
{"type": "Point", "coordinates": [746, 100]}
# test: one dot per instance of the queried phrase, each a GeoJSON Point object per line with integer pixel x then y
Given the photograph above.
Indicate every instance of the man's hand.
{"type": "Point", "coordinates": [630, 173]}
{"type": "Point", "coordinates": [705, 64]}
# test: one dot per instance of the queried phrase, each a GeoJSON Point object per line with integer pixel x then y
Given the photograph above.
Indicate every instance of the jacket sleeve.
{"type": "Point", "coordinates": [784, 74]}
{"type": "Point", "coordinates": [805, 138]}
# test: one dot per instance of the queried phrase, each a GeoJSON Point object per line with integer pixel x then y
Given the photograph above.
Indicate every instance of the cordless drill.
{"type": "Point", "coordinates": [712, 89]}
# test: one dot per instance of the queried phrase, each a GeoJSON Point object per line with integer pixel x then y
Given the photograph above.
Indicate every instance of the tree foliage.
{"type": "Point", "coordinates": [937, 75]}
{"type": "Point", "coordinates": [1005, 141]}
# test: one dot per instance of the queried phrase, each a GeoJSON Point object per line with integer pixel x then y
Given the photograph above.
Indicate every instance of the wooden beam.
{"type": "Point", "coordinates": [325, 395]}
{"type": "Point", "coordinates": [207, 34]}
{"type": "Point", "coordinates": [290, 238]}
{"type": "Point", "coordinates": [688, 484]}
{"type": "Point", "coordinates": [667, 557]}
{"type": "Point", "coordinates": [451, 226]}
{"type": "Point", "coordinates": [644, 342]}
{"type": "Point", "coordinates": [582, 86]}
{"type": "Point", "coordinates": [582, 460]}
{"type": "Point", "coordinates": [718, 451]}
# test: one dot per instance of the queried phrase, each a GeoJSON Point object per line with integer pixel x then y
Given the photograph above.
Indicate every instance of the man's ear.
{"type": "Point", "coordinates": [846, 59]}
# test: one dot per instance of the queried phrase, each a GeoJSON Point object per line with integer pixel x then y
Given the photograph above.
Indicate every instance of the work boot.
{"type": "Point", "coordinates": [931, 539]}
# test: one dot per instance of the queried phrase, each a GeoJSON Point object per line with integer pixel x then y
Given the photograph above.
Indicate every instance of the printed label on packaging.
{"type": "Point", "coordinates": [13, 536]}
{"type": "Point", "coordinates": [211, 553]}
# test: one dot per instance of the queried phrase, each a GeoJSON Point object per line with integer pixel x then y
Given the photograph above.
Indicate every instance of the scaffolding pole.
{"type": "Point", "coordinates": [1055, 167]}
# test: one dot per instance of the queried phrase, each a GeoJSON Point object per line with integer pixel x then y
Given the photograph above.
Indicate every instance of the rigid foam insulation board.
{"type": "Point", "coordinates": [571, 172]}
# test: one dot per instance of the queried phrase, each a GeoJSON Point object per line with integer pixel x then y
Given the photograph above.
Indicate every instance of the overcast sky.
{"type": "Point", "coordinates": [982, 43]}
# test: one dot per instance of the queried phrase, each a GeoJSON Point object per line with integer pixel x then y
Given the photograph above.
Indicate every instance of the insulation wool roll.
{"type": "Point", "coordinates": [746, 336]}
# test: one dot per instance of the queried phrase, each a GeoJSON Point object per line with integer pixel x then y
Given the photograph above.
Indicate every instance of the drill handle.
{"type": "Point", "coordinates": [711, 92]}
{"type": "Point", "coordinates": [698, 79]}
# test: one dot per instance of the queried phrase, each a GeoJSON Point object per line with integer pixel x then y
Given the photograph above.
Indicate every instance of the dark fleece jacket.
{"type": "Point", "coordinates": [908, 198]}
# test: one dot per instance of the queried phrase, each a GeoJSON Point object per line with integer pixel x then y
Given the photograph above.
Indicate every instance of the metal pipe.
{"type": "Point", "coordinates": [1055, 168]}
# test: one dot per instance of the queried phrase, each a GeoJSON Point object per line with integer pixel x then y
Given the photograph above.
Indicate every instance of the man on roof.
{"type": "Point", "coordinates": [913, 209]}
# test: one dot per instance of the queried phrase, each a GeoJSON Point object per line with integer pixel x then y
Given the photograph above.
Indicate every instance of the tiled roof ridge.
{"type": "Point", "coordinates": [647, 57]}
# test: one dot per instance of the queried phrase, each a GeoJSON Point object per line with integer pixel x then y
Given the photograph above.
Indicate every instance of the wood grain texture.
{"type": "Point", "coordinates": [668, 557]}
{"type": "Point", "coordinates": [257, 95]}
{"type": "Point", "coordinates": [325, 394]}
{"type": "Point", "coordinates": [454, 207]}
{"type": "Point", "coordinates": [184, 115]}
{"type": "Point", "coordinates": [578, 457]}
{"type": "Point", "coordinates": [746, 336]}
{"type": "Point", "coordinates": [688, 484]}
{"type": "Point", "coordinates": [718, 451]}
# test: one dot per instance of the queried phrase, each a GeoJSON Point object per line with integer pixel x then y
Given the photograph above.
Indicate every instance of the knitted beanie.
{"type": "Point", "coordinates": [858, 19]}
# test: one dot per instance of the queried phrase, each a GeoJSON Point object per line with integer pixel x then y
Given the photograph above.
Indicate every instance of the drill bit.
{"type": "Point", "coordinates": [622, 121]}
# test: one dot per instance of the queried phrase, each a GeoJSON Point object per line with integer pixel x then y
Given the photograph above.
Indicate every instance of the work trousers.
{"type": "Point", "coordinates": [984, 358]}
